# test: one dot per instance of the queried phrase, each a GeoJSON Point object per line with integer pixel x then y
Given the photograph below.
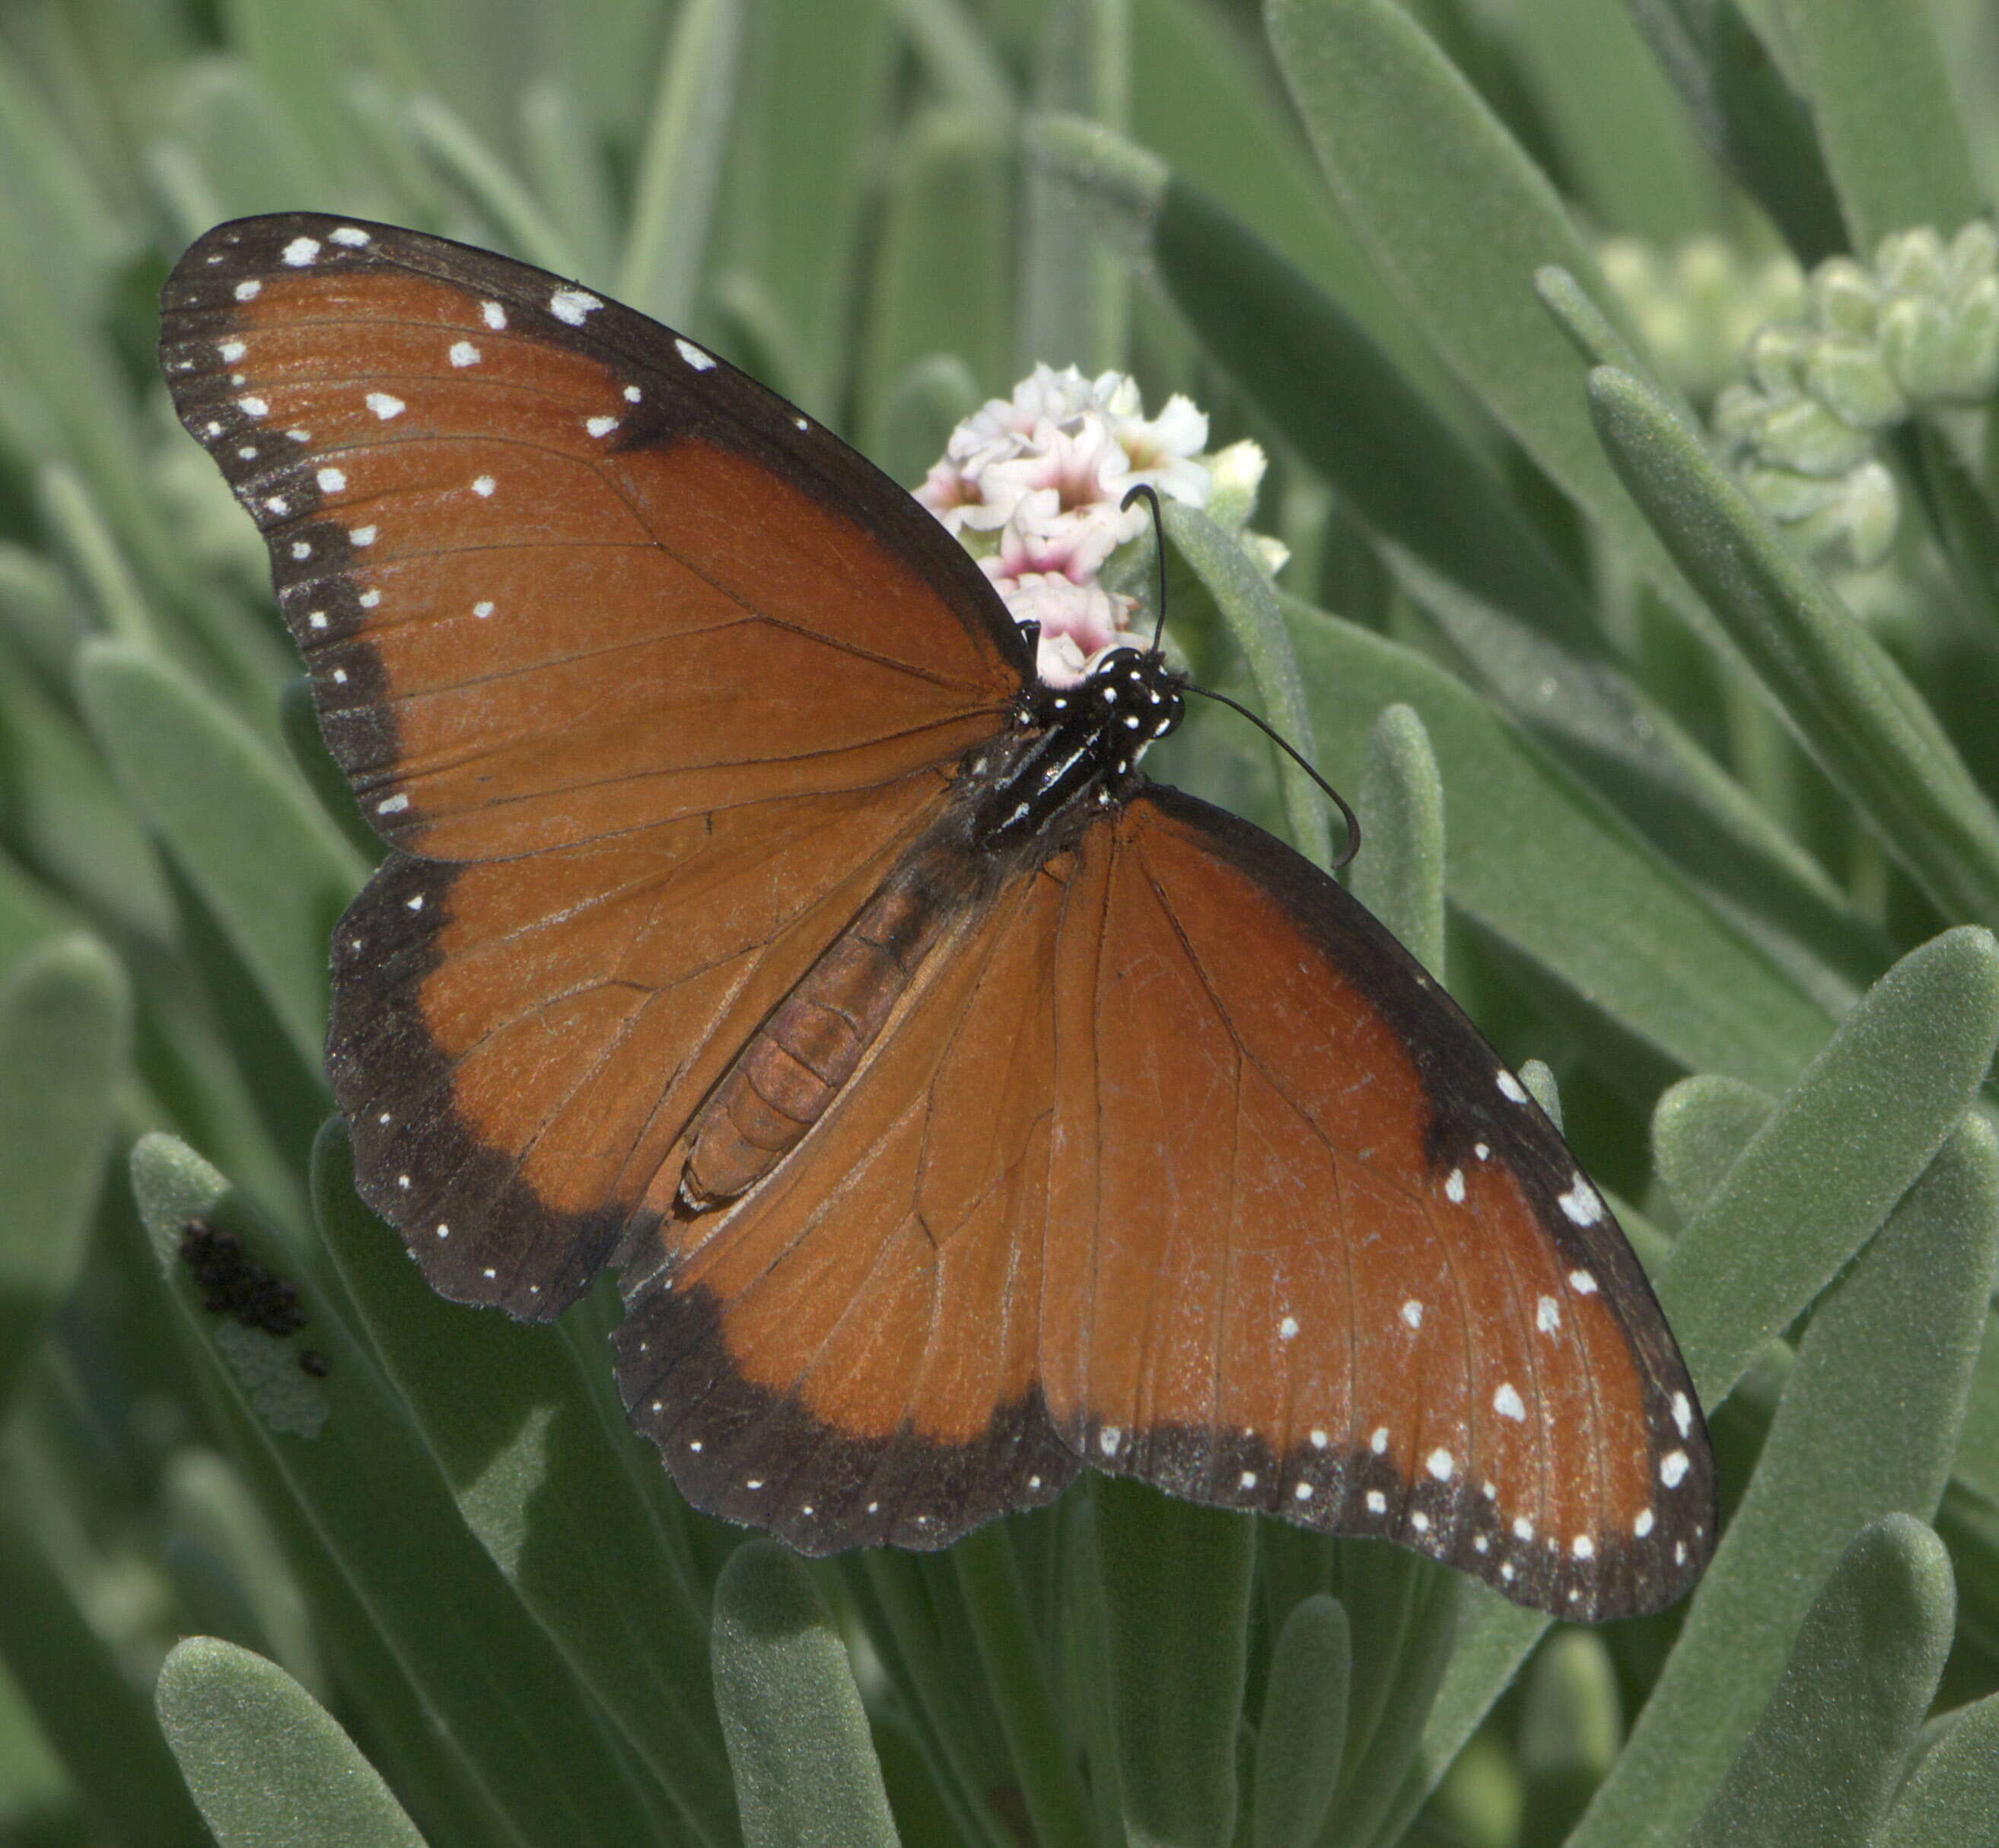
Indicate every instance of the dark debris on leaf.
{"type": "Point", "coordinates": [234, 1285]}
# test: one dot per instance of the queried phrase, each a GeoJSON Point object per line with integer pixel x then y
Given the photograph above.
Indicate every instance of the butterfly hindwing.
{"type": "Point", "coordinates": [1320, 1254]}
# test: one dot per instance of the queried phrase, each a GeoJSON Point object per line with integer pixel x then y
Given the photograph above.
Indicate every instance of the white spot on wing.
{"type": "Point", "coordinates": [351, 235]}
{"type": "Point", "coordinates": [1582, 1203]}
{"type": "Point", "coordinates": [1682, 1414]}
{"type": "Point", "coordinates": [1413, 1312]}
{"type": "Point", "coordinates": [482, 610]}
{"type": "Point", "coordinates": [493, 315]}
{"type": "Point", "coordinates": [249, 291]}
{"type": "Point", "coordinates": [385, 405]}
{"type": "Point", "coordinates": [393, 805]}
{"type": "Point", "coordinates": [600, 427]}
{"type": "Point", "coordinates": [1583, 1547]}
{"type": "Point", "coordinates": [300, 251]}
{"type": "Point", "coordinates": [231, 351]}
{"type": "Point", "coordinates": [1643, 1525]}
{"type": "Point", "coordinates": [1379, 1442]}
{"type": "Point", "coordinates": [331, 480]}
{"type": "Point", "coordinates": [1673, 1468]}
{"type": "Point", "coordinates": [1441, 1463]}
{"type": "Point", "coordinates": [1319, 1440]}
{"type": "Point", "coordinates": [1582, 1283]}
{"type": "Point", "coordinates": [572, 306]}
{"type": "Point", "coordinates": [1508, 1403]}
{"type": "Point", "coordinates": [693, 355]}
{"type": "Point", "coordinates": [1453, 1187]}
{"type": "Point", "coordinates": [1511, 1089]}
{"type": "Point", "coordinates": [253, 407]}
{"type": "Point", "coordinates": [1378, 1502]}
{"type": "Point", "coordinates": [1547, 1315]}
{"type": "Point", "coordinates": [463, 352]}
{"type": "Point", "coordinates": [483, 486]}
{"type": "Point", "coordinates": [362, 536]}
{"type": "Point", "coordinates": [1287, 1327]}
{"type": "Point", "coordinates": [1109, 1438]}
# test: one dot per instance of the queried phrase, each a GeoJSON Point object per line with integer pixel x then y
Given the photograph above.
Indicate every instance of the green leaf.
{"type": "Point", "coordinates": [1861, 1124]}
{"type": "Point", "coordinates": [1867, 1427]}
{"type": "Point", "coordinates": [548, 1490]}
{"type": "Point", "coordinates": [1951, 1797]}
{"type": "Point", "coordinates": [1205, 97]}
{"type": "Point", "coordinates": [996, 1599]}
{"type": "Point", "coordinates": [1846, 700]}
{"type": "Point", "coordinates": [1398, 875]}
{"type": "Point", "coordinates": [1628, 147]}
{"type": "Point", "coordinates": [680, 170]}
{"type": "Point", "coordinates": [270, 1767]}
{"type": "Point", "coordinates": [1323, 381]}
{"type": "Point", "coordinates": [1699, 1129]}
{"type": "Point", "coordinates": [486, 1675]}
{"type": "Point", "coordinates": [1075, 295]}
{"type": "Point", "coordinates": [792, 195]}
{"type": "Point", "coordinates": [942, 278]}
{"type": "Point", "coordinates": [1823, 1759]}
{"type": "Point", "coordinates": [1249, 605]}
{"type": "Point", "coordinates": [1175, 1581]}
{"type": "Point", "coordinates": [64, 1023]}
{"type": "Point", "coordinates": [1754, 123]}
{"type": "Point", "coordinates": [1303, 1729]}
{"type": "Point", "coordinates": [1629, 935]}
{"type": "Point", "coordinates": [90, 1715]}
{"type": "Point", "coordinates": [1886, 115]}
{"type": "Point", "coordinates": [1459, 219]}
{"type": "Point", "coordinates": [806, 1775]}
{"type": "Point", "coordinates": [271, 869]}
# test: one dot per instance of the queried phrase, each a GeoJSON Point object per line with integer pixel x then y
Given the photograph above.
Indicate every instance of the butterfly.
{"type": "Point", "coordinates": [963, 1109]}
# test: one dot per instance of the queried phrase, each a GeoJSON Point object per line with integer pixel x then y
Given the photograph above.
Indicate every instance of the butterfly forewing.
{"type": "Point", "coordinates": [646, 676]}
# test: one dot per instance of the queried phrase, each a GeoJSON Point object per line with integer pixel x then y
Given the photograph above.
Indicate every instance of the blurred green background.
{"type": "Point", "coordinates": [1678, 753]}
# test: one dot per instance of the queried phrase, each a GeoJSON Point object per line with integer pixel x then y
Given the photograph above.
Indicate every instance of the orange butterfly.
{"type": "Point", "coordinates": [964, 1108]}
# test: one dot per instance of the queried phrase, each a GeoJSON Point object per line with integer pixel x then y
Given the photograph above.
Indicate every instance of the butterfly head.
{"type": "Point", "coordinates": [1076, 750]}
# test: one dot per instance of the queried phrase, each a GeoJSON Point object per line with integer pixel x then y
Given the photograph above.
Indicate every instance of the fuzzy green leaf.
{"type": "Point", "coordinates": [1847, 702]}
{"type": "Point", "coordinates": [1249, 605]}
{"type": "Point", "coordinates": [806, 1775]}
{"type": "Point", "coordinates": [1175, 1581]}
{"type": "Point", "coordinates": [342, 1444]}
{"type": "Point", "coordinates": [270, 1767]}
{"type": "Point", "coordinates": [548, 1490]}
{"type": "Point", "coordinates": [1754, 123]}
{"type": "Point", "coordinates": [1951, 1797]}
{"type": "Point", "coordinates": [1459, 219]}
{"type": "Point", "coordinates": [270, 868]}
{"type": "Point", "coordinates": [64, 1022]}
{"type": "Point", "coordinates": [1823, 1759]}
{"type": "Point", "coordinates": [1699, 1129]}
{"type": "Point", "coordinates": [1630, 935]}
{"type": "Point", "coordinates": [1399, 875]}
{"type": "Point", "coordinates": [1304, 1729]}
{"type": "Point", "coordinates": [88, 1712]}
{"type": "Point", "coordinates": [1862, 1123]}
{"type": "Point", "coordinates": [1867, 1427]}
{"type": "Point", "coordinates": [680, 170]}
{"type": "Point", "coordinates": [1886, 116]}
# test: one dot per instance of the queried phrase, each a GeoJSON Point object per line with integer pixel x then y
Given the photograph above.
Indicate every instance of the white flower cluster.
{"type": "Point", "coordinates": [1032, 486]}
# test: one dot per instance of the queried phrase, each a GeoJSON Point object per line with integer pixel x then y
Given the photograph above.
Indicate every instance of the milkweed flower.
{"type": "Point", "coordinates": [1033, 485]}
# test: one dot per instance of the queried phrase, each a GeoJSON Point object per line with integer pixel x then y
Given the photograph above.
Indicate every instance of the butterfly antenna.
{"type": "Point", "coordinates": [1145, 490]}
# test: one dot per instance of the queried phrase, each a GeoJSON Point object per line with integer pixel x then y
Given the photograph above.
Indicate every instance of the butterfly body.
{"type": "Point", "coordinates": [963, 1109]}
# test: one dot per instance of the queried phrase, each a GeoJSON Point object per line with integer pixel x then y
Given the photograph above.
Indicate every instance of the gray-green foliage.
{"type": "Point", "coordinates": [1710, 831]}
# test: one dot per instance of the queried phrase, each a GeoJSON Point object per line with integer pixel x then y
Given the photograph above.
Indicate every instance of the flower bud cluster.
{"type": "Point", "coordinates": [1697, 306]}
{"type": "Point", "coordinates": [1032, 484]}
{"type": "Point", "coordinates": [1917, 331]}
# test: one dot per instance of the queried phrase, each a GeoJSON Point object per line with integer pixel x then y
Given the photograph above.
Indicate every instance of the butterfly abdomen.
{"type": "Point", "coordinates": [815, 1040]}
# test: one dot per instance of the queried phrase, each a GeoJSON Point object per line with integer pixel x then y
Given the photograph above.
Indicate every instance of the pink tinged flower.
{"type": "Point", "coordinates": [1078, 621]}
{"type": "Point", "coordinates": [951, 494]}
{"type": "Point", "coordinates": [1039, 538]}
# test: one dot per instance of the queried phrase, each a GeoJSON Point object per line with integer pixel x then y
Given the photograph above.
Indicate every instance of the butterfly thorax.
{"type": "Point", "coordinates": [1080, 751]}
